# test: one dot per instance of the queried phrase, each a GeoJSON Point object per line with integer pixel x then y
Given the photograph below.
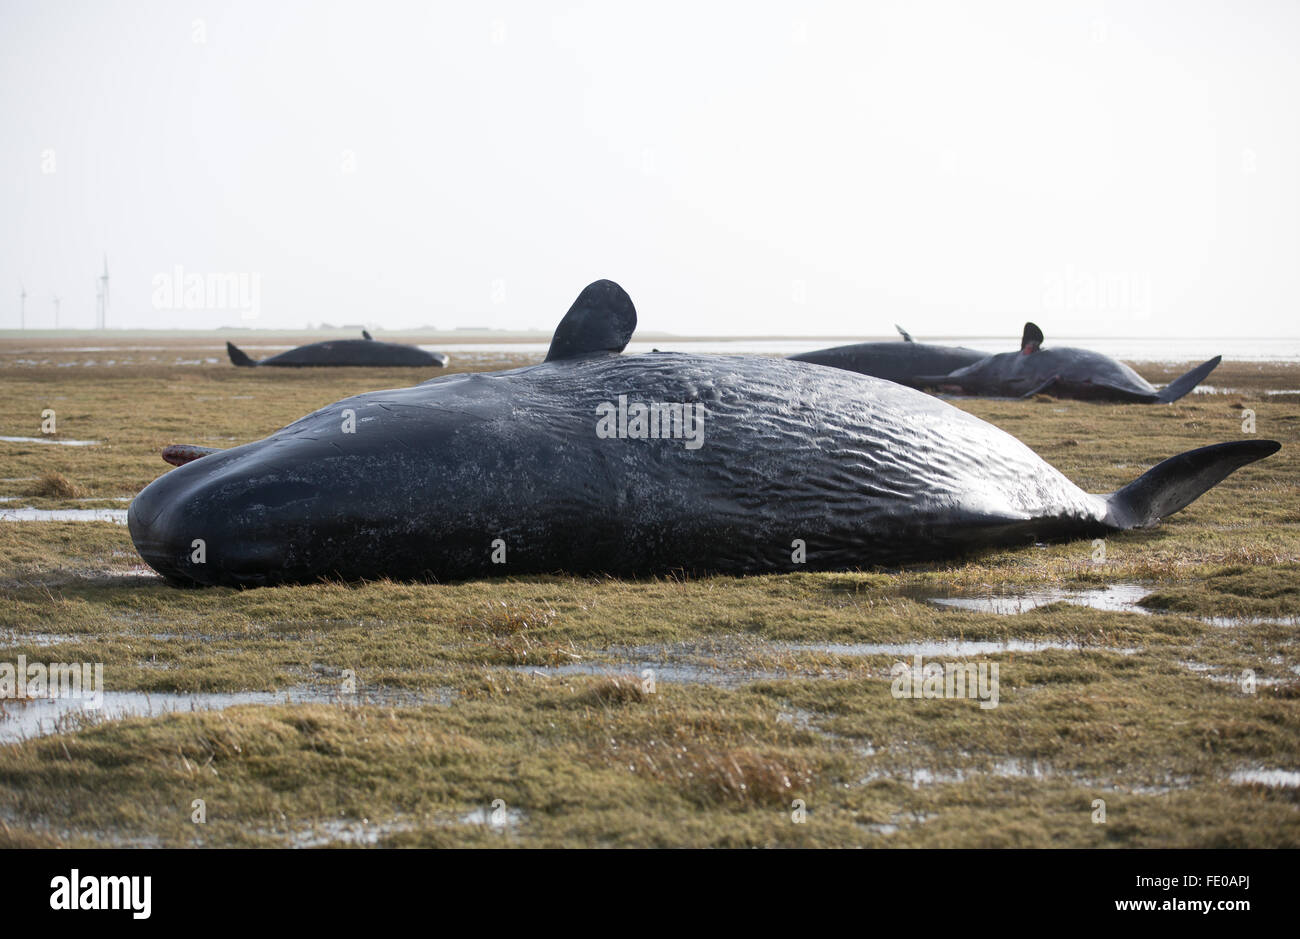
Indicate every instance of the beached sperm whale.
{"type": "Point", "coordinates": [902, 362]}
{"type": "Point", "coordinates": [364, 351]}
{"type": "Point", "coordinates": [1063, 373]}
{"type": "Point", "coordinates": [594, 461]}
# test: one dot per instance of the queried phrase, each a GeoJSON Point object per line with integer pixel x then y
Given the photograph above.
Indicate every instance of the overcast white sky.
{"type": "Point", "coordinates": [751, 168]}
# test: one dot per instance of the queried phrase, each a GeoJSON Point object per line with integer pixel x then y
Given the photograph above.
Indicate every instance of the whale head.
{"type": "Point", "coordinates": [369, 478]}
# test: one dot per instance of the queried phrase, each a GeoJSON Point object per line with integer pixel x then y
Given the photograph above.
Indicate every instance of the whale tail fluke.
{"type": "Point", "coordinates": [907, 337]}
{"type": "Point", "coordinates": [238, 357]}
{"type": "Point", "coordinates": [1184, 384]}
{"type": "Point", "coordinates": [1181, 480]}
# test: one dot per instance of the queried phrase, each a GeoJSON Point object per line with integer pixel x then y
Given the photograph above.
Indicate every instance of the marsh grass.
{"type": "Point", "coordinates": [597, 759]}
{"type": "Point", "coordinates": [53, 485]}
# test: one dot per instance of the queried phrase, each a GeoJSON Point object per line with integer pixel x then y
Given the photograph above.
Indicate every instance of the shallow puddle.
{"type": "Point", "coordinates": [363, 832]}
{"type": "Point", "coordinates": [345, 831]}
{"type": "Point", "coordinates": [1281, 778]}
{"type": "Point", "coordinates": [9, 637]}
{"type": "Point", "coordinates": [25, 718]}
{"type": "Point", "coordinates": [919, 776]}
{"type": "Point", "coordinates": [54, 440]}
{"type": "Point", "coordinates": [953, 648]}
{"type": "Point", "coordinates": [498, 819]}
{"type": "Point", "coordinates": [1117, 598]}
{"type": "Point", "coordinates": [1121, 597]}
{"type": "Point", "coordinates": [26, 514]}
{"type": "Point", "coordinates": [674, 673]}
{"type": "Point", "coordinates": [1018, 768]}
{"type": "Point", "coordinates": [1230, 621]}
{"type": "Point", "coordinates": [1225, 676]}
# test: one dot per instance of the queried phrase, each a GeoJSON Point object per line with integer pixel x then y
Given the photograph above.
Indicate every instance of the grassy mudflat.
{"type": "Point", "coordinates": [762, 691]}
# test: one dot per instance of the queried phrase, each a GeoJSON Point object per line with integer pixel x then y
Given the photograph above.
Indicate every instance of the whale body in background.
{"type": "Point", "coordinates": [1062, 373]}
{"type": "Point", "coordinates": [345, 352]}
{"type": "Point", "coordinates": [556, 467]}
{"type": "Point", "coordinates": [901, 362]}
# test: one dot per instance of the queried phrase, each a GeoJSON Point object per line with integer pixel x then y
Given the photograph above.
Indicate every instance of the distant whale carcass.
{"type": "Point", "coordinates": [345, 352]}
{"type": "Point", "coordinates": [901, 362]}
{"type": "Point", "coordinates": [1063, 373]}
{"type": "Point", "coordinates": [588, 463]}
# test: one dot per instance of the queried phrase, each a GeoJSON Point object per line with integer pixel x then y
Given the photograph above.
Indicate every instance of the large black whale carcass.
{"type": "Point", "coordinates": [1063, 372]}
{"type": "Point", "coordinates": [902, 362]}
{"type": "Point", "coordinates": [344, 352]}
{"type": "Point", "coordinates": [594, 461]}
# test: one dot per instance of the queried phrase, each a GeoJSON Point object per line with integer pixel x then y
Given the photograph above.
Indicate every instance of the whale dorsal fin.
{"type": "Point", "coordinates": [365, 334]}
{"type": "Point", "coordinates": [602, 319]}
{"type": "Point", "coordinates": [907, 337]}
{"type": "Point", "coordinates": [1031, 340]}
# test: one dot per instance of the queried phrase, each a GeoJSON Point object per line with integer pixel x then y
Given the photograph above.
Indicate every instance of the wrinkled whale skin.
{"type": "Point", "coordinates": [863, 470]}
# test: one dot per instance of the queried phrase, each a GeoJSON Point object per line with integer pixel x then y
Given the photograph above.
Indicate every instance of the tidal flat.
{"type": "Point", "coordinates": [563, 711]}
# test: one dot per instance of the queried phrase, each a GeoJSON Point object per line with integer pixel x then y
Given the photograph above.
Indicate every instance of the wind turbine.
{"type": "Point", "coordinates": [56, 311]}
{"type": "Point", "coordinates": [22, 306]}
{"type": "Point", "coordinates": [103, 296]}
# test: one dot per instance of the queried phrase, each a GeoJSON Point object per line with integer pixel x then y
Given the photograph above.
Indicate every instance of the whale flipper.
{"type": "Point", "coordinates": [1181, 386]}
{"type": "Point", "coordinates": [1180, 480]}
{"type": "Point", "coordinates": [602, 319]}
{"type": "Point", "coordinates": [907, 337]}
{"type": "Point", "coordinates": [1031, 339]}
{"type": "Point", "coordinates": [238, 357]}
{"type": "Point", "coordinates": [933, 381]}
{"type": "Point", "coordinates": [365, 334]}
{"type": "Point", "coordinates": [1043, 388]}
